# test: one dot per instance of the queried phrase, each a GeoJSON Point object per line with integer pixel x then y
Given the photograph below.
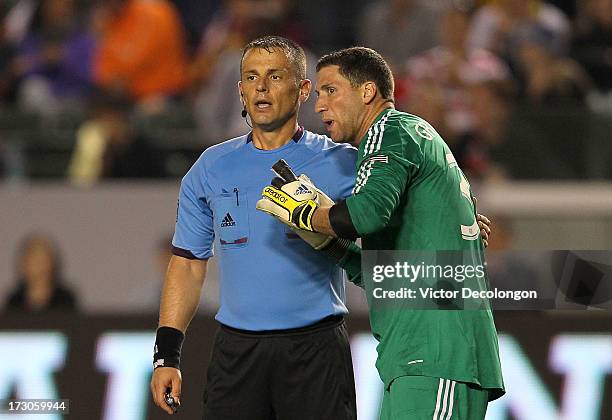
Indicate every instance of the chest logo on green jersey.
{"type": "Point", "coordinates": [425, 130]}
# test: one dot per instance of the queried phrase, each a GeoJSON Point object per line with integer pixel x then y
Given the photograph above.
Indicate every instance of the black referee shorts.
{"type": "Point", "coordinates": [304, 373]}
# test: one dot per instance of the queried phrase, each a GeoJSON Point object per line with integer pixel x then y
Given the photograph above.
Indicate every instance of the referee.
{"type": "Point", "coordinates": [281, 351]}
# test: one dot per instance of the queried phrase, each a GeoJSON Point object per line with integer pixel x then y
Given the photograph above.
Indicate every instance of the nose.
{"type": "Point", "coordinates": [320, 104]}
{"type": "Point", "coordinates": [262, 84]}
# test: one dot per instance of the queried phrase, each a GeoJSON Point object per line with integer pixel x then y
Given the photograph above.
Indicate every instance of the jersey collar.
{"type": "Point", "coordinates": [296, 136]}
{"type": "Point", "coordinates": [378, 118]}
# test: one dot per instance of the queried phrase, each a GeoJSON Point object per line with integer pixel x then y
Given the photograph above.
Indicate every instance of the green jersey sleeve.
{"type": "Point", "coordinates": [388, 158]}
{"type": "Point", "coordinates": [351, 263]}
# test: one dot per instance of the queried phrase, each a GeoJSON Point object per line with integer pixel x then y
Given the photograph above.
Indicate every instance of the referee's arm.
{"type": "Point", "coordinates": [179, 301]}
{"type": "Point", "coordinates": [181, 292]}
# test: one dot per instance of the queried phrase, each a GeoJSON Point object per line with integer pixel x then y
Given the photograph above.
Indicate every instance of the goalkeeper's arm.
{"type": "Point", "coordinates": [287, 188]}
{"type": "Point", "coordinates": [350, 261]}
{"type": "Point", "coordinates": [343, 252]}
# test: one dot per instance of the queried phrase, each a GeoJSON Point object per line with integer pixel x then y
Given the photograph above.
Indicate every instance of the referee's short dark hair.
{"type": "Point", "coordinates": [295, 53]}
{"type": "Point", "coordinates": [360, 65]}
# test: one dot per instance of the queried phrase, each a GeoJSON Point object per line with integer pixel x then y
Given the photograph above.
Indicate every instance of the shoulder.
{"type": "Point", "coordinates": [398, 132]}
{"type": "Point", "coordinates": [393, 123]}
{"type": "Point", "coordinates": [16, 298]}
{"type": "Point", "coordinates": [341, 156]}
{"type": "Point", "coordinates": [321, 144]}
{"type": "Point", "coordinates": [64, 294]}
{"type": "Point", "coordinates": [215, 154]}
{"type": "Point", "coordinates": [218, 151]}
{"type": "Point", "coordinates": [405, 124]}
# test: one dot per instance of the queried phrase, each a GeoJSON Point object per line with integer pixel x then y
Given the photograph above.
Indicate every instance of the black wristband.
{"type": "Point", "coordinates": [340, 221]}
{"type": "Point", "coordinates": [168, 344]}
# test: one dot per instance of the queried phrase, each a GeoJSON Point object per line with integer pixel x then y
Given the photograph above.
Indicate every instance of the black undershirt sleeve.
{"type": "Point", "coordinates": [183, 253]}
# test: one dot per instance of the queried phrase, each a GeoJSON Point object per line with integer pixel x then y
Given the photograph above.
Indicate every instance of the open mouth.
{"type": "Point", "coordinates": [263, 104]}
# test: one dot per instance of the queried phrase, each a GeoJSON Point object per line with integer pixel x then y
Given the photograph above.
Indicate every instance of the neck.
{"type": "Point", "coordinates": [369, 118]}
{"type": "Point", "coordinates": [270, 140]}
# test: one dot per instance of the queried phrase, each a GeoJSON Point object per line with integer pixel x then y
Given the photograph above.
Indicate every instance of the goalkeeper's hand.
{"type": "Point", "coordinates": [317, 240]}
{"type": "Point", "coordinates": [293, 202]}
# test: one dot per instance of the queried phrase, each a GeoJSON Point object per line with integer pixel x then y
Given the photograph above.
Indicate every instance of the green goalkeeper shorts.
{"type": "Point", "coordinates": [425, 398]}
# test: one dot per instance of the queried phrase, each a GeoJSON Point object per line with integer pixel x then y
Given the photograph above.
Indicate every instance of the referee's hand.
{"type": "Point", "coordinates": [162, 379]}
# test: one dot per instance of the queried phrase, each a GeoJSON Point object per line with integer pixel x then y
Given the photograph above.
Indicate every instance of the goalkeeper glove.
{"type": "Point", "coordinates": [335, 248]}
{"type": "Point", "coordinates": [318, 241]}
{"type": "Point", "coordinates": [293, 203]}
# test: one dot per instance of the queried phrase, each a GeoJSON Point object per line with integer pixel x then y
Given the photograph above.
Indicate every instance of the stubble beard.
{"type": "Point", "coordinates": [347, 137]}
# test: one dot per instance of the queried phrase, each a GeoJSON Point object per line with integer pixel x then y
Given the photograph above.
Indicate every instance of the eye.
{"type": "Point", "coordinates": [251, 77]}
{"type": "Point", "coordinates": [331, 90]}
{"type": "Point", "coordinates": [275, 77]}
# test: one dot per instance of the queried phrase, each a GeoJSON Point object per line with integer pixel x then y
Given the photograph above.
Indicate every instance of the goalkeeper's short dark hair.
{"type": "Point", "coordinates": [295, 53]}
{"type": "Point", "coordinates": [360, 65]}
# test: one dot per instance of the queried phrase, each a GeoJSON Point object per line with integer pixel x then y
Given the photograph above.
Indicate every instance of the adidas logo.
{"type": "Point", "coordinates": [302, 190]}
{"type": "Point", "coordinates": [228, 221]}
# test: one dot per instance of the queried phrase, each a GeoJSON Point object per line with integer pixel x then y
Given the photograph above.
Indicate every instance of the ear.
{"type": "Point", "coordinates": [369, 91]}
{"type": "Point", "coordinates": [305, 87]}
{"type": "Point", "coordinates": [241, 93]}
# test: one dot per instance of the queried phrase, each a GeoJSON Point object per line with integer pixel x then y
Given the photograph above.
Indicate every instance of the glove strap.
{"type": "Point", "coordinates": [302, 216]}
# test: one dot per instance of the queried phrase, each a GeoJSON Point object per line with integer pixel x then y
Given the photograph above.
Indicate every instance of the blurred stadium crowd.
{"type": "Point", "coordinates": [99, 89]}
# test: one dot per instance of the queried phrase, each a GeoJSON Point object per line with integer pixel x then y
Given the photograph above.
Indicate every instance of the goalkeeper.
{"type": "Point", "coordinates": [409, 195]}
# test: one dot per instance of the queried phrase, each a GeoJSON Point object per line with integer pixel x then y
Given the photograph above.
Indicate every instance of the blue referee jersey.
{"type": "Point", "coordinates": [269, 278]}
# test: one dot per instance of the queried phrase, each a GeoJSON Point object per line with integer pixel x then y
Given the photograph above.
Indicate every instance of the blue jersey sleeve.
{"type": "Point", "coordinates": [344, 158]}
{"type": "Point", "coordinates": [194, 230]}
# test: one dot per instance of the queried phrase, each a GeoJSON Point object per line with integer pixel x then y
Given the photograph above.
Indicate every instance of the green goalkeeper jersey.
{"type": "Point", "coordinates": [410, 195]}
